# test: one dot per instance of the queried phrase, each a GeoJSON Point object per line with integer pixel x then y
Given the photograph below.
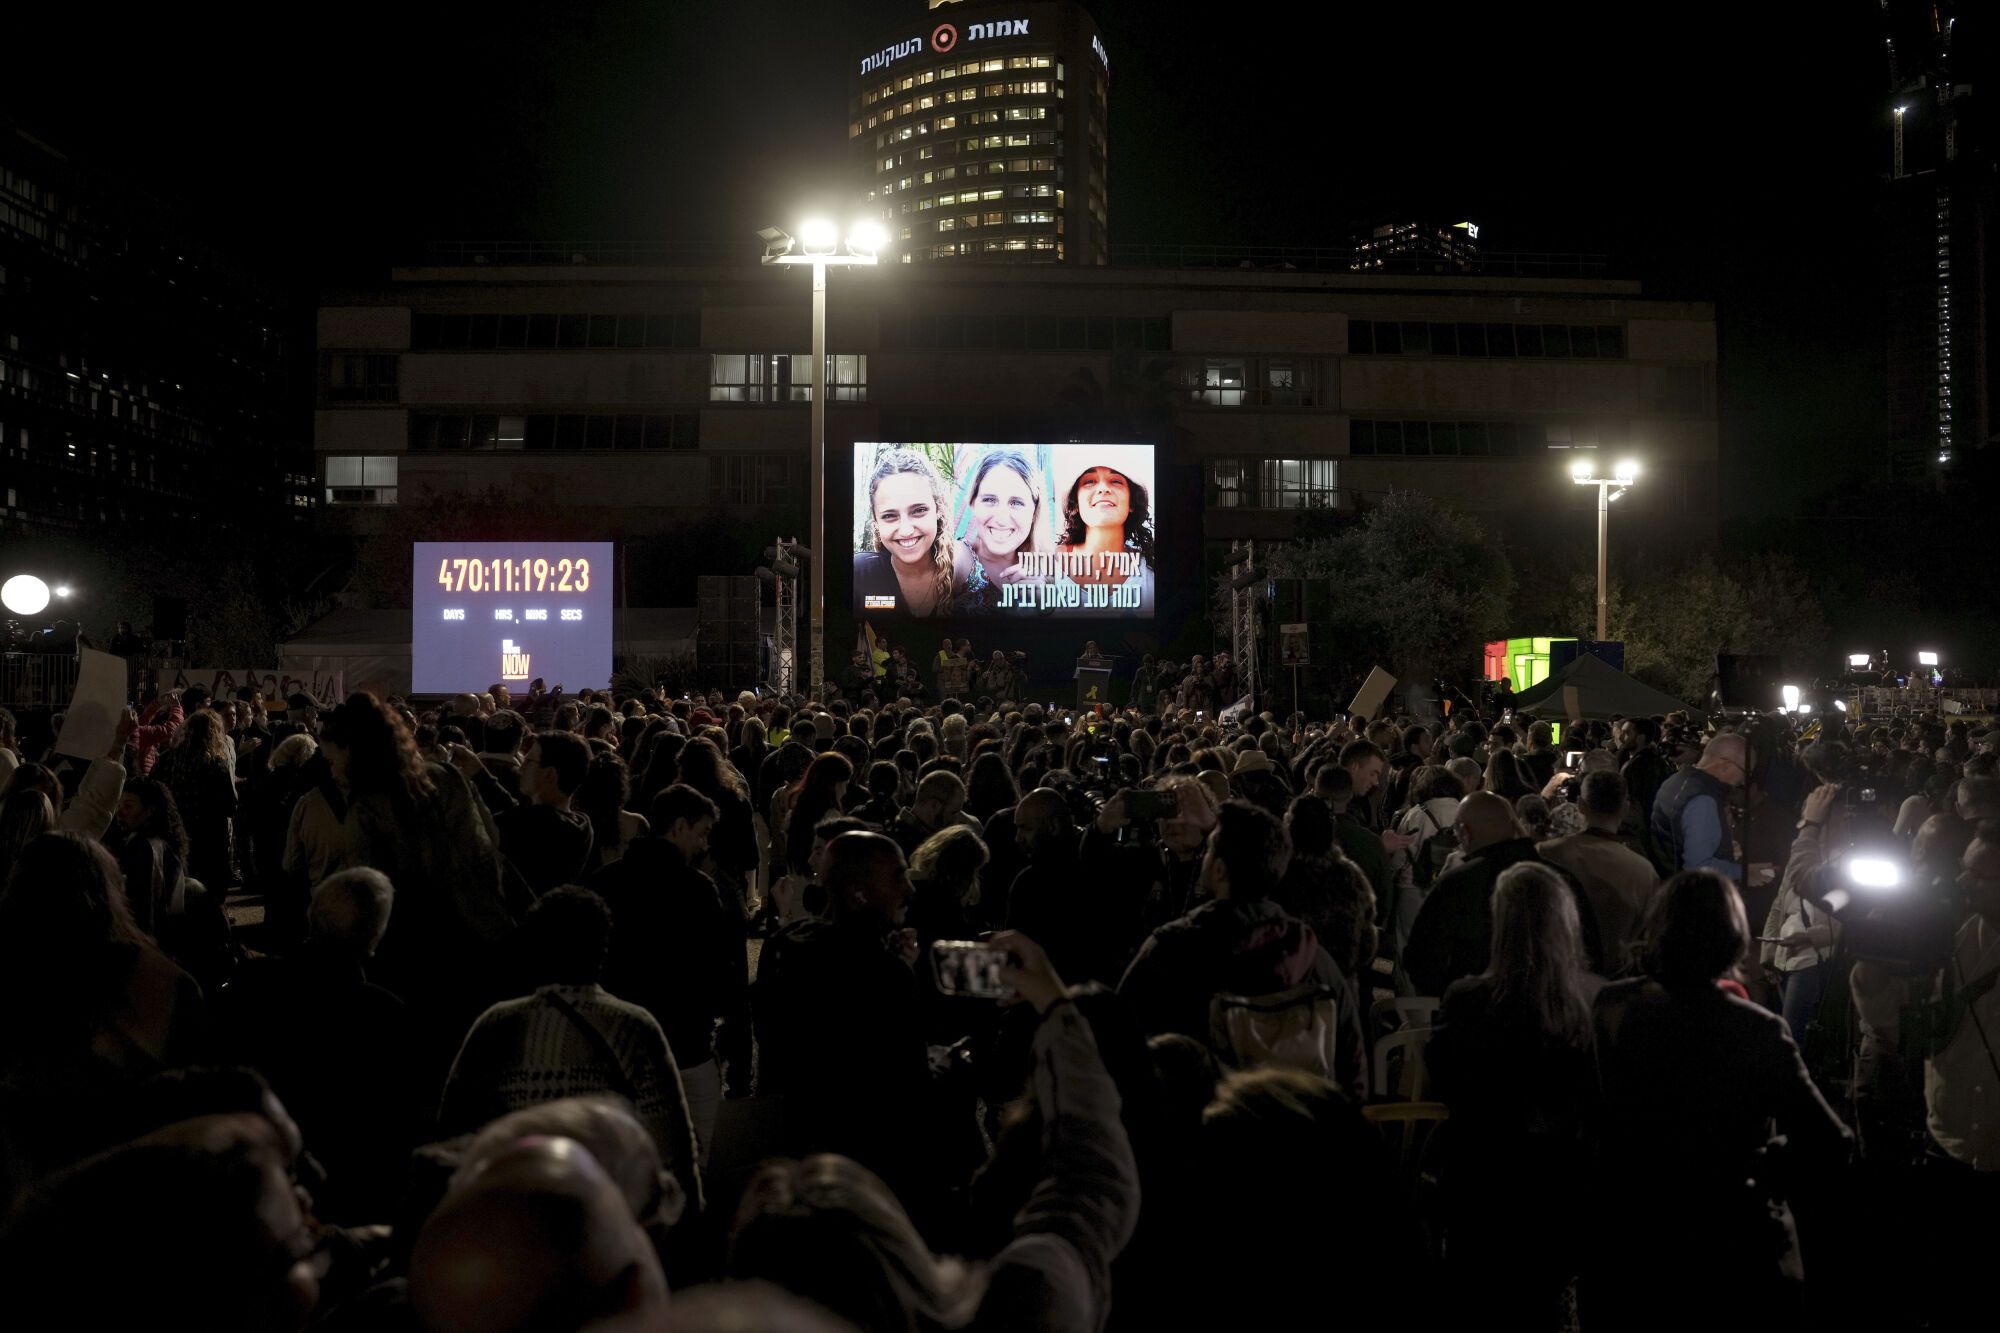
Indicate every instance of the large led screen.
{"type": "Point", "coordinates": [976, 530]}
{"type": "Point", "coordinates": [512, 612]}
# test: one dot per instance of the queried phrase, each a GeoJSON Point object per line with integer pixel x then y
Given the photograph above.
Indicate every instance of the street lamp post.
{"type": "Point", "coordinates": [1583, 473]}
{"type": "Point", "coordinates": [818, 244]}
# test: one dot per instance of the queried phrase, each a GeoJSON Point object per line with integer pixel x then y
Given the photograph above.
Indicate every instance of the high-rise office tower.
{"type": "Point", "coordinates": [981, 129]}
{"type": "Point", "coordinates": [1939, 214]}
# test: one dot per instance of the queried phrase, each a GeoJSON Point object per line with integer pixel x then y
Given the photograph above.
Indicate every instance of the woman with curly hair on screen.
{"type": "Point", "coordinates": [913, 551]}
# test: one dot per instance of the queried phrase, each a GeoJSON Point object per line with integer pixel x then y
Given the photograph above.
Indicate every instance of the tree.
{"type": "Point", "coordinates": [1674, 622]}
{"type": "Point", "coordinates": [1415, 586]}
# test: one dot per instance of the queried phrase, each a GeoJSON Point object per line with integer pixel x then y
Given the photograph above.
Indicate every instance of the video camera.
{"type": "Point", "coordinates": [1889, 911]}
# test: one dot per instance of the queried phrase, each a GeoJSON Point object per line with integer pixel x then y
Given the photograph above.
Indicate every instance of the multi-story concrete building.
{"type": "Point", "coordinates": [142, 377]}
{"type": "Point", "coordinates": [663, 397]}
{"type": "Point", "coordinates": [981, 130]}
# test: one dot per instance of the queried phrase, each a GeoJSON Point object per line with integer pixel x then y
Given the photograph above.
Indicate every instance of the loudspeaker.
{"type": "Point", "coordinates": [1750, 681]}
{"type": "Point", "coordinates": [170, 617]}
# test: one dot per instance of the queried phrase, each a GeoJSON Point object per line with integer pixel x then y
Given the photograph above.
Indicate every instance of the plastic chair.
{"type": "Point", "coordinates": [1412, 1123]}
{"type": "Point", "coordinates": [1391, 1013]}
{"type": "Point", "coordinates": [1412, 1080]}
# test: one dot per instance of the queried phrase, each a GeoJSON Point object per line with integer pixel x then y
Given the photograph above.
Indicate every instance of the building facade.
{"type": "Point", "coordinates": [1938, 217]}
{"type": "Point", "coordinates": [981, 132]}
{"type": "Point", "coordinates": [1418, 247]}
{"type": "Point", "coordinates": [665, 399]}
{"type": "Point", "coordinates": [143, 379]}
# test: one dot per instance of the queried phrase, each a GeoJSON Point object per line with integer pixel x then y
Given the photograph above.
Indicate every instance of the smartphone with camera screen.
{"type": "Point", "coordinates": [967, 967]}
{"type": "Point", "coordinates": [1152, 804]}
{"type": "Point", "coordinates": [1573, 761]}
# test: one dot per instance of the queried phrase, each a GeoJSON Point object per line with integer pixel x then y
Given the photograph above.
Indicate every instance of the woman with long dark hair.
{"type": "Point", "coordinates": [421, 824]}
{"type": "Point", "coordinates": [1108, 514]}
{"type": "Point", "coordinates": [200, 770]}
{"type": "Point", "coordinates": [1512, 1056]}
{"type": "Point", "coordinates": [24, 816]}
{"type": "Point", "coordinates": [603, 797]}
{"type": "Point", "coordinates": [911, 552]}
{"type": "Point", "coordinates": [89, 1006]}
{"type": "Point", "coordinates": [989, 787]}
{"type": "Point", "coordinates": [1694, 1077]}
{"type": "Point", "coordinates": [1507, 777]}
{"type": "Point", "coordinates": [817, 794]}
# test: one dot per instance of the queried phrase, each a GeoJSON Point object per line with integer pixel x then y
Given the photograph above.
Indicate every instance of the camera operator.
{"type": "Point", "coordinates": [1949, 1020]}
{"type": "Point", "coordinates": [1805, 932]}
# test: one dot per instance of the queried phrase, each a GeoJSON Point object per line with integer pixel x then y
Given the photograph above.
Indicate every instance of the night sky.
{"type": "Point", "coordinates": [1730, 152]}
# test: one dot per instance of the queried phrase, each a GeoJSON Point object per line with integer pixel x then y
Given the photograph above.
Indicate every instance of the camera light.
{"type": "Point", "coordinates": [1841, 704]}
{"type": "Point", "coordinates": [1857, 659]}
{"type": "Point", "coordinates": [1927, 659]}
{"type": "Point", "coordinates": [1791, 696]}
{"type": "Point", "coordinates": [1874, 872]}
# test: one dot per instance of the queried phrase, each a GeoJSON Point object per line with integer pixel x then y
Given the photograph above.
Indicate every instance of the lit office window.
{"type": "Point", "coordinates": [1221, 383]}
{"type": "Point", "coordinates": [361, 479]}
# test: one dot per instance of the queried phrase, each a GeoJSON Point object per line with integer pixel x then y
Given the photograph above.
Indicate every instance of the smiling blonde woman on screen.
{"type": "Point", "coordinates": [912, 548]}
{"type": "Point", "coordinates": [1003, 519]}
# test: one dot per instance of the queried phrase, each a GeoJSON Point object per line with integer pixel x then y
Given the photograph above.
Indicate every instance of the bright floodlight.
{"type": "Point", "coordinates": [1628, 471]}
{"type": "Point", "coordinates": [1841, 704]}
{"type": "Point", "coordinates": [62, 590]}
{"type": "Point", "coordinates": [1926, 659]}
{"type": "Point", "coordinates": [868, 236]}
{"type": "Point", "coordinates": [817, 235]}
{"type": "Point", "coordinates": [1857, 659]}
{"type": "Point", "coordinates": [1791, 693]}
{"type": "Point", "coordinates": [1580, 469]}
{"type": "Point", "coordinates": [1874, 872]}
{"type": "Point", "coordinates": [24, 595]}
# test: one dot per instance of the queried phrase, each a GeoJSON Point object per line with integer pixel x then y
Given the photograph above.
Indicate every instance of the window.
{"type": "Point", "coordinates": [1428, 438]}
{"type": "Point", "coordinates": [360, 377]}
{"type": "Point", "coordinates": [357, 479]}
{"type": "Point", "coordinates": [1221, 383]}
{"type": "Point", "coordinates": [1298, 483]}
{"type": "Point", "coordinates": [778, 377]}
{"type": "Point", "coordinates": [1281, 384]}
{"type": "Point", "coordinates": [1273, 483]}
{"type": "Point", "coordinates": [1433, 338]}
{"type": "Point", "coordinates": [1225, 484]}
{"type": "Point", "coordinates": [756, 479]}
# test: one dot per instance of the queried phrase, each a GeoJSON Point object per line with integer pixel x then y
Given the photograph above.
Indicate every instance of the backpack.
{"type": "Point", "coordinates": [1434, 851]}
{"type": "Point", "coordinates": [1296, 1028]}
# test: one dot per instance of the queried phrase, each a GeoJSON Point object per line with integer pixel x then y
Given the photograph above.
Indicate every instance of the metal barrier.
{"type": "Point", "coordinates": [37, 680]}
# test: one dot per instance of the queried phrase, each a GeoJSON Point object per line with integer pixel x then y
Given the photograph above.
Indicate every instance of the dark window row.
{"type": "Point", "coordinates": [1034, 333]}
{"type": "Point", "coordinates": [1421, 438]}
{"type": "Point", "coordinates": [361, 377]}
{"type": "Point", "coordinates": [574, 430]}
{"type": "Point", "coordinates": [1385, 337]}
{"type": "Point", "coordinates": [481, 333]}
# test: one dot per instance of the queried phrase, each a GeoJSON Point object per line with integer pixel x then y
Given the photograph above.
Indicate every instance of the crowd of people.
{"type": "Point", "coordinates": [556, 1006]}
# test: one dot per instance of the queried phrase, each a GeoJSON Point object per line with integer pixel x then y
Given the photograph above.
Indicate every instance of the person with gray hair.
{"type": "Point", "coordinates": [334, 1046]}
{"type": "Point", "coordinates": [349, 912]}
{"type": "Point", "coordinates": [1452, 936]}
{"type": "Point", "coordinates": [540, 1237]}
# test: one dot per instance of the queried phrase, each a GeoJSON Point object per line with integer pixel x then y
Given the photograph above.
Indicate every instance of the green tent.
{"type": "Point", "coordinates": [1602, 691]}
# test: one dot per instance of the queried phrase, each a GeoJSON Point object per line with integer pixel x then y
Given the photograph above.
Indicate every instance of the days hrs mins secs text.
{"type": "Point", "coordinates": [524, 575]}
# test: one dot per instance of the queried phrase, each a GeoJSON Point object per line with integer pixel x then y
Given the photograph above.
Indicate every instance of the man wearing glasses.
{"type": "Point", "coordinates": [1690, 815]}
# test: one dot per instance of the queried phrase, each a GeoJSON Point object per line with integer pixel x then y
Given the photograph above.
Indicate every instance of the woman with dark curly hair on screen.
{"type": "Point", "coordinates": [910, 564]}
{"type": "Point", "coordinates": [1107, 513]}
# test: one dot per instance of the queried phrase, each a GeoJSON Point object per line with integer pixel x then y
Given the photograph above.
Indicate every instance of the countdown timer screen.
{"type": "Point", "coordinates": [510, 612]}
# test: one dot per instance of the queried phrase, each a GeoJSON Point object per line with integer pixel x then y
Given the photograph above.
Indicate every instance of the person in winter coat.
{"type": "Point", "coordinates": [1241, 943]}
{"type": "Point", "coordinates": [826, 1229]}
{"type": "Point", "coordinates": [1452, 936]}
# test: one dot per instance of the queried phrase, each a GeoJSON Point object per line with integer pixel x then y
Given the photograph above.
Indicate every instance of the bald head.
{"type": "Point", "coordinates": [866, 874]}
{"type": "Point", "coordinates": [541, 1238]}
{"type": "Point", "coordinates": [1726, 758]}
{"type": "Point", "coordinates": [1485, 818]}
{"type": "Point", "coordinates": [350, 910]}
